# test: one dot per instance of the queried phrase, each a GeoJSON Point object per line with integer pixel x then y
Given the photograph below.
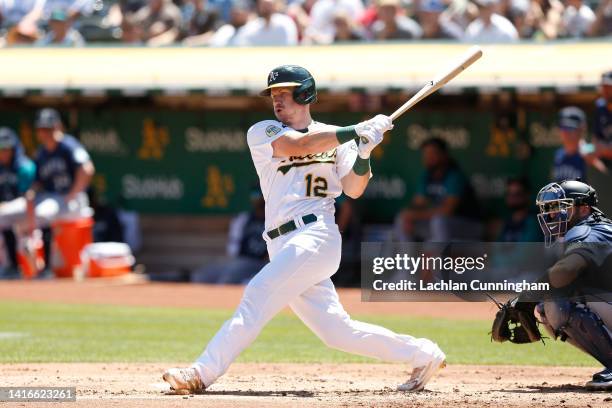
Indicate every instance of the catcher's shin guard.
{"type": "Point", "coordinates": [578, 325]}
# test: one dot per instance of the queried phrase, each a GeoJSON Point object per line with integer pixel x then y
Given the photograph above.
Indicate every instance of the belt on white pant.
{"type": "Point", "coordinates": [291, 226]}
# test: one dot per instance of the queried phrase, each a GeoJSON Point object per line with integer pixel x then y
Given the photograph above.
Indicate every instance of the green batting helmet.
{"type": "Point", "coordinates": [305, 91]}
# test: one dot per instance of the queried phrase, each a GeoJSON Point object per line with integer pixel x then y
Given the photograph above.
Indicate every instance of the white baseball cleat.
{"type": "Point", "coordinates": [421, 375]}
{"type": "Point", "coordinates": [184, 380]}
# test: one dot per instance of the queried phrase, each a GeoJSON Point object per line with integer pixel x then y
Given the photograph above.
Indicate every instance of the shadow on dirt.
{"type": "Point", "coordinates": [248, 393]}
{"type": "Point", "coordinates": [548, 389]}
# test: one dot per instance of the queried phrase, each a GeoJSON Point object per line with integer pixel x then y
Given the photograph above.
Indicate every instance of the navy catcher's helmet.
{"type": "Point", "coordinates": [305, 91]}
{"type": "Point", "coordinates": [556, 202]}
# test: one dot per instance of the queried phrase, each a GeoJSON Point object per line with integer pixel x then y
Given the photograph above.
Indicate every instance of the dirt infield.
{"type": "Point", "coordinates": [314, 385]}
{"type": "Point", "coordinates": [287, 385]}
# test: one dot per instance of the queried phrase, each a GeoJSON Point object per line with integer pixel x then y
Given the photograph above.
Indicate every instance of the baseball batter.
{"type": "Point", "coordinates": [303, 165]}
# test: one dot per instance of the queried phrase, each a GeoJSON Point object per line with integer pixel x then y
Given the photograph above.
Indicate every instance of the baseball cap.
{"type": "Point", "coordinates": [486, 3]}
{"type": "Point", "coordinates": [432, 6]}
{"type": "Point", "coordinates": [606, 78]}
{"type": "Point", "coordinates": [47, 118]}
{"type": "Point", "coordinates": [241, 5]}
{"type": "Point", "coordinates": [519, 7]}
{"type": "Point", "coordinates": [571, 118]}
{"type": "Point", "coordinates": [8, 138]}
{"type": "Point", "coordinates": [58, 15]}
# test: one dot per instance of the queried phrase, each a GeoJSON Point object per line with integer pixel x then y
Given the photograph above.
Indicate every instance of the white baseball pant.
{"type": "Point", "coordinates": [298, 275]}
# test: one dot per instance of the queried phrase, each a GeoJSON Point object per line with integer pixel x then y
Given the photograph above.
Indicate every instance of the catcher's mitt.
{"type": "Point", "coordinates": [515, 322]}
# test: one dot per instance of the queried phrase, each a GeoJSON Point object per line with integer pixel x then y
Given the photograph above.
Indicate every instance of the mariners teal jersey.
{"type": "Point", "coordinates": [17, 178]}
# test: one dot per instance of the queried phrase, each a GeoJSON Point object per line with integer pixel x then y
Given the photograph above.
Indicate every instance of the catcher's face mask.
{"type": "Point", "coordinates": [555, 212]}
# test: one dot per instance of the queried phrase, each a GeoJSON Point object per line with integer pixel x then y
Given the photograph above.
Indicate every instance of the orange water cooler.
{"type": "Point", "coordinates": [70, 236]}
{"type": "Point", "coordinates": [106, 259]}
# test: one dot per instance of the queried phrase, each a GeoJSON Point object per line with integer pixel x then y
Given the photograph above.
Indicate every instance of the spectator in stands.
{"type": "Point", "coordinates": [20, 19]}
{"type": "Point", "coordinates": [25, 13]}
{"type": "Point", "coordinates": [574, 154]}
{"type": "Point", "coordinates": [346, 30]}
{"type": "Point", "coordinates": [16, 176]}
{"type": "Point", "coordinates": [131, 6]}
{"type": "Point", "coordinates": [521, 225]}
{"type": "Point", "coordinates": [444, 207]}
{"type": "Point", "coordinates": [299, 11]}
{"type": "Point", "coordinates": [518, 14]}
{"type": "Point", "coordinates": [546, 17]}
{"type": "Point", "coordinates": [461, 12]}
{"type": "Point", "coordinates": [435, 23]}
{"type": "Point", "coordinates": [602, 26]}
{"type": "Point", "coordinates": [201, 24]}
{"type": "Point", "coordinates": [161, 22]}
{"type": "Point", "coordinates": [577, 19]}
{"type": "Point", "coordinates": [74, 8]}
{"type": "Point", "coordinates": [490, 26]}
{"type": "Point", "coordinates": [270, 28]}
{"type": "Point", "coordinates": [131, 31]}
{"type": "Point", "coordinates": [226, 34]}
{"type": "Point", "coordinates": [61, 31]}
{"type": "Point", "coordinates": [246, 249]}
{"type": "Point", "coordinates": [322, 29]}
{"type": "Point", "coordinates": [392, 24]}
{"type": "Point", "coordinates": [224, 8]}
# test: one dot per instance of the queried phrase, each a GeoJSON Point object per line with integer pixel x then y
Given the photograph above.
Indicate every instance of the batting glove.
{"type": "Point", "coordinates": [381, 123]}
{"type": "Point", "coordinates": [368, 140]}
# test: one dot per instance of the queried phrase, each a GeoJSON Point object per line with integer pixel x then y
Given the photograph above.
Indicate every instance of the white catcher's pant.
{"type": "Point", "coordinates": [298, 275]}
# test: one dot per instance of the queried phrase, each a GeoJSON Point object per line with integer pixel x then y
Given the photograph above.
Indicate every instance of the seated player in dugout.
{"type": "Point", "coordinates": [63, 173]}
{"type": "Point", "coordinates": [444, 207]}
{"type": "Point", "coordinates": [578, 309]}
{"type": "Point", "coordinates": [521, 224]}
{"type": "Point", "coordinates": [572, 158]}
{"type": "Point", "coordinates": [603, 120]}
{"type": "Point", "coordinates": [246, 251]}
{"type": "Point", "coordinates": [17, 174]}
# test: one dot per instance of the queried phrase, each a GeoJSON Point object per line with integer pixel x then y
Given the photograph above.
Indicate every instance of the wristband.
{"type": "Point", "coordinates": [346, 134]}
{"type": "Point", "coordinates": [361, 166]}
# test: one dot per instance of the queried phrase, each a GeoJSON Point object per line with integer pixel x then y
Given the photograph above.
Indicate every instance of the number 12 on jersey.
{"type": "Point", "coordinates": [316, 189]}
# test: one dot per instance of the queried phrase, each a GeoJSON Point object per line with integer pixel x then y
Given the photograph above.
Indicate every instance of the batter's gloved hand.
{"type": "Point", "coordinates": [381, 123]}
{"type": "Point", "coordinates": [368, 140]}
{"type": "Point", "coordinates": [371, 133]}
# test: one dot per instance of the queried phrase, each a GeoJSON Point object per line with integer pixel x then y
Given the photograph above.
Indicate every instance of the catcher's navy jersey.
{"type": "Point", "coordinates": [592, 239]}
{"type": "Point", "coordinates": [590, 230]}
{"type": "Point", "coordinates": [56, 170]}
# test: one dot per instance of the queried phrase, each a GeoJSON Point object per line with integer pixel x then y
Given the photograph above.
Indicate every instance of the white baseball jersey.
{"type": "Point", "coordinates": [297, 185]}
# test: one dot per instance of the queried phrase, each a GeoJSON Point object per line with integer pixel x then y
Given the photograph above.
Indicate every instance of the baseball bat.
{"type": "Point", "coordinates": [471, 56]}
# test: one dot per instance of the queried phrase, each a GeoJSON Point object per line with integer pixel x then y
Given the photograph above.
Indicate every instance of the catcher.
{"type": "Point", "coordinates": [569, 210]}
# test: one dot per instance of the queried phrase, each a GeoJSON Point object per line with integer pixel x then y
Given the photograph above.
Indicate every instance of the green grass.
{"type": "Point", "coordinates": [89, 333]}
